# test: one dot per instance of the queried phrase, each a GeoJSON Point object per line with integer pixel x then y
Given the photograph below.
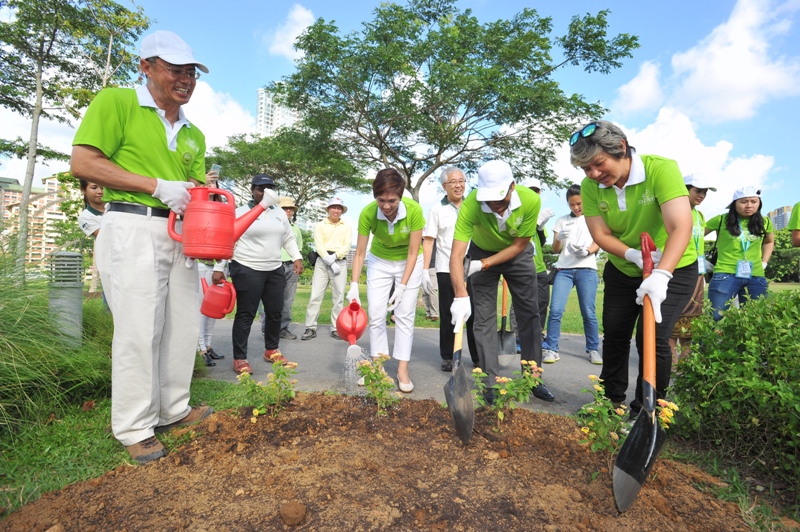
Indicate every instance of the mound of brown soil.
{"type": "Point", "coordinates": [344, 468]}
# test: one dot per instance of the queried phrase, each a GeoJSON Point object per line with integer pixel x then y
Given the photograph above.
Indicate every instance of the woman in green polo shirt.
{"type": "Point", "coordinates": [626, 194]}
{"type": "Point", "coordinates": [794, 225]}
{"type": "Point", "coordinates": [744, 246]}
{"type": "Point", "coordinates": [395, 258]}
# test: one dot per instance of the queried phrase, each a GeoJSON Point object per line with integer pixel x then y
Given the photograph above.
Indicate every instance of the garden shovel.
{"type": "Point", "coordinates": [506, 340]}
{"type": "Point", "coordinates": [644, 442]}
{"type": "Point", "coordinates": [457, 390]}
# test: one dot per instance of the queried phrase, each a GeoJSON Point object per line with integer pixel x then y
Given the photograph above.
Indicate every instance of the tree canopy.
{"type": "Point", "coordinates": [306, 166]}
{"type": "Point", "coordinates": [425, 85]}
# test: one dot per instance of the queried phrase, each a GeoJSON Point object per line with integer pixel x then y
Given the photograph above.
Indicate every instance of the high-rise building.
{"type": "Point", "coordinates": [780, 217]}
{"type": "Point", "coordinates": [272, 116]}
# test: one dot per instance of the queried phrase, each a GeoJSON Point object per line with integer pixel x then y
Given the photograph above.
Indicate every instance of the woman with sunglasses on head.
{"type": "Point", "coordinates": [626, 194]}
{"type": "Point", "coordinates": [744, 244]}
{"type": "Point", "coordinates": [395, 259]}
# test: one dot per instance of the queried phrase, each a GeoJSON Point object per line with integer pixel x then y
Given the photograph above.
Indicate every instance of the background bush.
{"type": "Point", "coordinates": [739, 389]}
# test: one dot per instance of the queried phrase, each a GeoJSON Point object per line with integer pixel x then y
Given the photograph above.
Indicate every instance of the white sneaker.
{"type": "Point", "coordinates": [549, 356]}
{"type": "Point", "coordinates": [595, 358]}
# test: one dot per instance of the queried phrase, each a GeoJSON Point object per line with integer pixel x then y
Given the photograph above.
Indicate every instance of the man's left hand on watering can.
{"type": "Point", "coordinates": [217, 277]}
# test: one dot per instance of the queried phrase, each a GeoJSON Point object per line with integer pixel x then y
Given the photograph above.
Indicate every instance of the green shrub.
{"type": "Point", "coordinates": [739, 389]}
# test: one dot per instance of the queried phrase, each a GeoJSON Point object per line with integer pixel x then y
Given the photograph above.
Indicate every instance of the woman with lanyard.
{"type": "Point", "coordinates": [697, 187]}
{"type": "Point", "coordinates": [744, 244]}
{"type": "Point", "coordinates": [395, 258]}
{"type": "Point", "coordinates": [626, 194]}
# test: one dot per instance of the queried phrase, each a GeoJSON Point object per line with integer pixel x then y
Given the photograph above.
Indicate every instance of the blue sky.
{"type": "Point", "coordinates": [714, 85]}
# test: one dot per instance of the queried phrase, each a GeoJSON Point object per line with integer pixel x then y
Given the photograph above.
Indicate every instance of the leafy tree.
{"type": "Point", "coordinates": [784, 265]}
{"type": "Point", "coordinates": [54, 56]}
{"type": "Point", "coordinates": [425, 85]}
{"type": "Point", "coordinates": [306, 167]}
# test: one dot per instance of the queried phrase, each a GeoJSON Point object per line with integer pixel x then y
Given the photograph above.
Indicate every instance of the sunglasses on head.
{"type": "Point", "coordinates": [587, 131]}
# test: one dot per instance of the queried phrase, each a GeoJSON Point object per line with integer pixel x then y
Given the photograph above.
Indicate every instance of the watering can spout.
{"type": "Point", "coordinates": [244, 221]}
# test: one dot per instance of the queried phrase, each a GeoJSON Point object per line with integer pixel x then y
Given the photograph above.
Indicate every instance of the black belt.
{"type": "Point", "coordinates": [288, 262]}
{"type": "Point", "coordinates": [137, 209]}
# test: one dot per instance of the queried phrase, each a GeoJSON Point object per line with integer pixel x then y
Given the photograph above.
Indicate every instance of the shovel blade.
{"type": "Point", "coordinates": [463, 409]}
{"type": "Point", "coordinates": [636, 458]}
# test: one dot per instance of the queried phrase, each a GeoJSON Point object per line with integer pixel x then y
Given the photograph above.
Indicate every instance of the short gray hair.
{"type": "Point", "coordinates": [448, 171]}
{"type": "Point", "coordinates": [607, 137]}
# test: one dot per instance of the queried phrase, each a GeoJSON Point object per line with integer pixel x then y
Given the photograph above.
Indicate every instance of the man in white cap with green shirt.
{"type": "Point", "coordinates": [497, 222]}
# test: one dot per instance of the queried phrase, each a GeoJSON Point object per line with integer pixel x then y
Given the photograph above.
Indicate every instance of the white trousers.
{"type": "Point", "coordinates": [381, 275]}
{"type": "Point", "coordinates": [205, 271]}
{"type": "Point", "coordinates": [153, 298]}
{"type": "Point", "coordinates": [323, 276]}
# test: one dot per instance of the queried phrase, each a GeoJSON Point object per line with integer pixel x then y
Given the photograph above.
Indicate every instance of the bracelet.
{"type": "Point", "coordinates": [484, 264]}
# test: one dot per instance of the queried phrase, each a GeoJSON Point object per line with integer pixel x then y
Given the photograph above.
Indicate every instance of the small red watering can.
{"type": "Point", "coordinates": [210, 228]}
{"type": "Point", "coordinates": [219, 299]}
{"type": "Point", "coordinates": [351, 322]}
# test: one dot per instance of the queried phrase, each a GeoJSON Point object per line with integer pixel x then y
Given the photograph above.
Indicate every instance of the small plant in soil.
{"type": "Point", "coordinates": [666, 413]}
{"type": "Point", "coordinates": [271, 397]}
{"type": "Point", "coordinates": [601, 422]}
{"type": "Point", "coordinates": [508, 391]}
{"type": "Point", "coordinates": [379, 385]}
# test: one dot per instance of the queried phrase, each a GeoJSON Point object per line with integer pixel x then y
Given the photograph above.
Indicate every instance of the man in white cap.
{"type": "Point", "coordinates": [138, 144]}
{"type": "Point", "coordinates": [332, 240]}
{"type": "Point", "coordinates": [497, 222]}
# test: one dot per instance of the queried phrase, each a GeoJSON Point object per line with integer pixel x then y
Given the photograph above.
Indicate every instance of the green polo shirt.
{"type": "Point", "coordinates": [391, 244]}
{"type": "Point", "coordinates": [134, 138]}
{"type": "Point", "coordinates": [538, 256]}
{"type": "Point", "coordinates": [297, 236]}
{"type": "Point", "coordinates": [794, 221]}
{"type": "Point", "coordinates": [698, 240]}
{"type": "Point", "coordinates": [481, 227]}
{"type": "Point", "coordinates": [731, 248]}
{"type": "Point", "coordinates": [663, 182]}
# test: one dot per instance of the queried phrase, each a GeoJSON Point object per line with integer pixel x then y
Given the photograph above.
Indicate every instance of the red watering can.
{"type": "Point", "coordinates": [351, 322]}
{"type": "Point", "coordinates": [219, 299]}
{"type": "Point", "coordinates": [210, 228]}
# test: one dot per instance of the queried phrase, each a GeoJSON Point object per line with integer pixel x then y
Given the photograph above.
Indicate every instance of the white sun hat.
{"type": "Point", "coordinates": [494, 179]}
{"type": "Point", "coordinates": [171, 48]}
{"type": "Point", "coordinates": [698, 181]}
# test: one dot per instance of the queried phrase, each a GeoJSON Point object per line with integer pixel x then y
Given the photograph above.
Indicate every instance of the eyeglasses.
{"type": "Point", "coordinates": [587, 131]}
{"type": "Point", "coordinates": [458, 182]}
{"type": "Point", "coordinates": [179, 72]}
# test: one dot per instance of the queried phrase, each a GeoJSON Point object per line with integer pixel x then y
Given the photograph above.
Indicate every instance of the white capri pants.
{"type": "Point", "coordinates": [381, 275]}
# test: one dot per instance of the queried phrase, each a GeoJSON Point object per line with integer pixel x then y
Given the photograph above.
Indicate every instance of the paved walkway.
{"type": "Point", "coordinates": [321, 365]}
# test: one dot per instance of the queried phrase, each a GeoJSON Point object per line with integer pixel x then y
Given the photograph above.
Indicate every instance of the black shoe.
{"type": "Point", "coordinates": [447, 365]}
{"type": "Point", "coordinates": [207, 359]}
{"type": "Point", "coordinates": [309, 334]}
{"type": "Point", "coordinates": [335, 335]}
{"type": "Point", "coordinates": [213, 354]}
{"type": "Point", "coordinates": [488, 396]}
{"type": "Point", "coordinates": [286, 333]}
{"type": "Point", "coordinates": [541, 392]}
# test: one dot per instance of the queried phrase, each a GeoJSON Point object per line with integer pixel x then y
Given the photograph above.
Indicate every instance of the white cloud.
{"type": "Point", "coordinates": [281, 41]}
{"type": "Point", "coordinates": [218, 115]}
{"type": "Point", "coordinates": [51, 134]}
{"type": "Point", "coordinates": [733, 71]}
{"type": "Point", "coordinates": [642, 93]}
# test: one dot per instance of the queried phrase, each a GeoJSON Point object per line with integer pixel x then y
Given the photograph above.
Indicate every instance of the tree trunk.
{"type": "Point", "coordinates": [22, 242]}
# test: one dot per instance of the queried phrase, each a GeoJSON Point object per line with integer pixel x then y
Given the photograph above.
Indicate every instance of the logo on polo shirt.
{"type": "Point", "coordinates": [405, 229]}
{"type": "Point", "coordinates": [603, 206]}
{"type": "Point", "coordinates": [647, 198]}
{"type": "Point", "coordinates": [513, 232]}
{"type": "Point", "coordinates": [187, 158]}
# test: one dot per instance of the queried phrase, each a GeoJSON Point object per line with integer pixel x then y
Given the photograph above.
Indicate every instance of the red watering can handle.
{"type": "Point", "coordinates": [648, 246]}
{"type": "Point", "coordinates": [233, 297]}
{"type": "Point", "coordinates": [171, 227]}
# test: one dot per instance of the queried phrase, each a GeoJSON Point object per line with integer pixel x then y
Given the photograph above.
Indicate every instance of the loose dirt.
{"type": "Point", "coordinates": [342, 467]}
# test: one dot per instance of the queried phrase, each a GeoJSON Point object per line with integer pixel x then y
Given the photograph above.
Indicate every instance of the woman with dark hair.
{"type": "Point", "coordinates": [624, 195]}
{"type": "Point", "coordinates": [395, 257]}
{"type": "Point", "coordinates": [577, 266]}
{"type": "Point", "coordinates": [744, 245]}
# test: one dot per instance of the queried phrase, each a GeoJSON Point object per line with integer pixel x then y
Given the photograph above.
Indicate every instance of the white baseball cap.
{"type": "Point", "coordinates": [336, 201]}
{"type": "Point", "coordinates": [698, 181]}
{"type": "Point", "coordinates": [532, 182]}
{"type": "Point", "coordinates": [171, 48]}
{"type": "Point", "coordinates": [746, 192]}
{"type": "Point", "coordinates": [494, 179]}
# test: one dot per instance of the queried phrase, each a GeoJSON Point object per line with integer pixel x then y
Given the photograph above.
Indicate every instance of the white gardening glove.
{"type": "Point", "coordinates": [654, 286]}
{"type": "Point", "coordinates": [270, 198]}
{"type": "Point", "coordinates": [426, 282]}
{"type": "Point", "coordinates": [352, 294]}
{"type": "Point", "coordinates": [544, 216]}
{"type": "Point", "coordinates": [190, 262]}
{"type": "Point", "coordinates": [656, 255]}
{"type": "Point", "coordinates": [474, 267]}
{"type": "Point", "coordinates": [578, 251]}
{"type": "Point", "coordinates": [564, 233]}
{"type": "Point", "coordinates": [460, 311]}
{"type": "Point", "coordinates": [635, 256]}
{"type": "Point", "coordinates": [173, 194]}
{"type": "Point", "coordinates": [397, 297]}
{"type": "Point", "coordinates": [335, 268]}
{"type": "Point", "coordinates": [329, 259]}
{"type": "Point", "coordinates": [764, 265]}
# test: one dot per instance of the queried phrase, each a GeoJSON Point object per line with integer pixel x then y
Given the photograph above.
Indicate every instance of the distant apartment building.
{"type": "Point", "coordinates": [271, 116]}
{"type": "Point", "coordinates": [44, 210]}
{"type": "Point", "coordinates": [780, 217]}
